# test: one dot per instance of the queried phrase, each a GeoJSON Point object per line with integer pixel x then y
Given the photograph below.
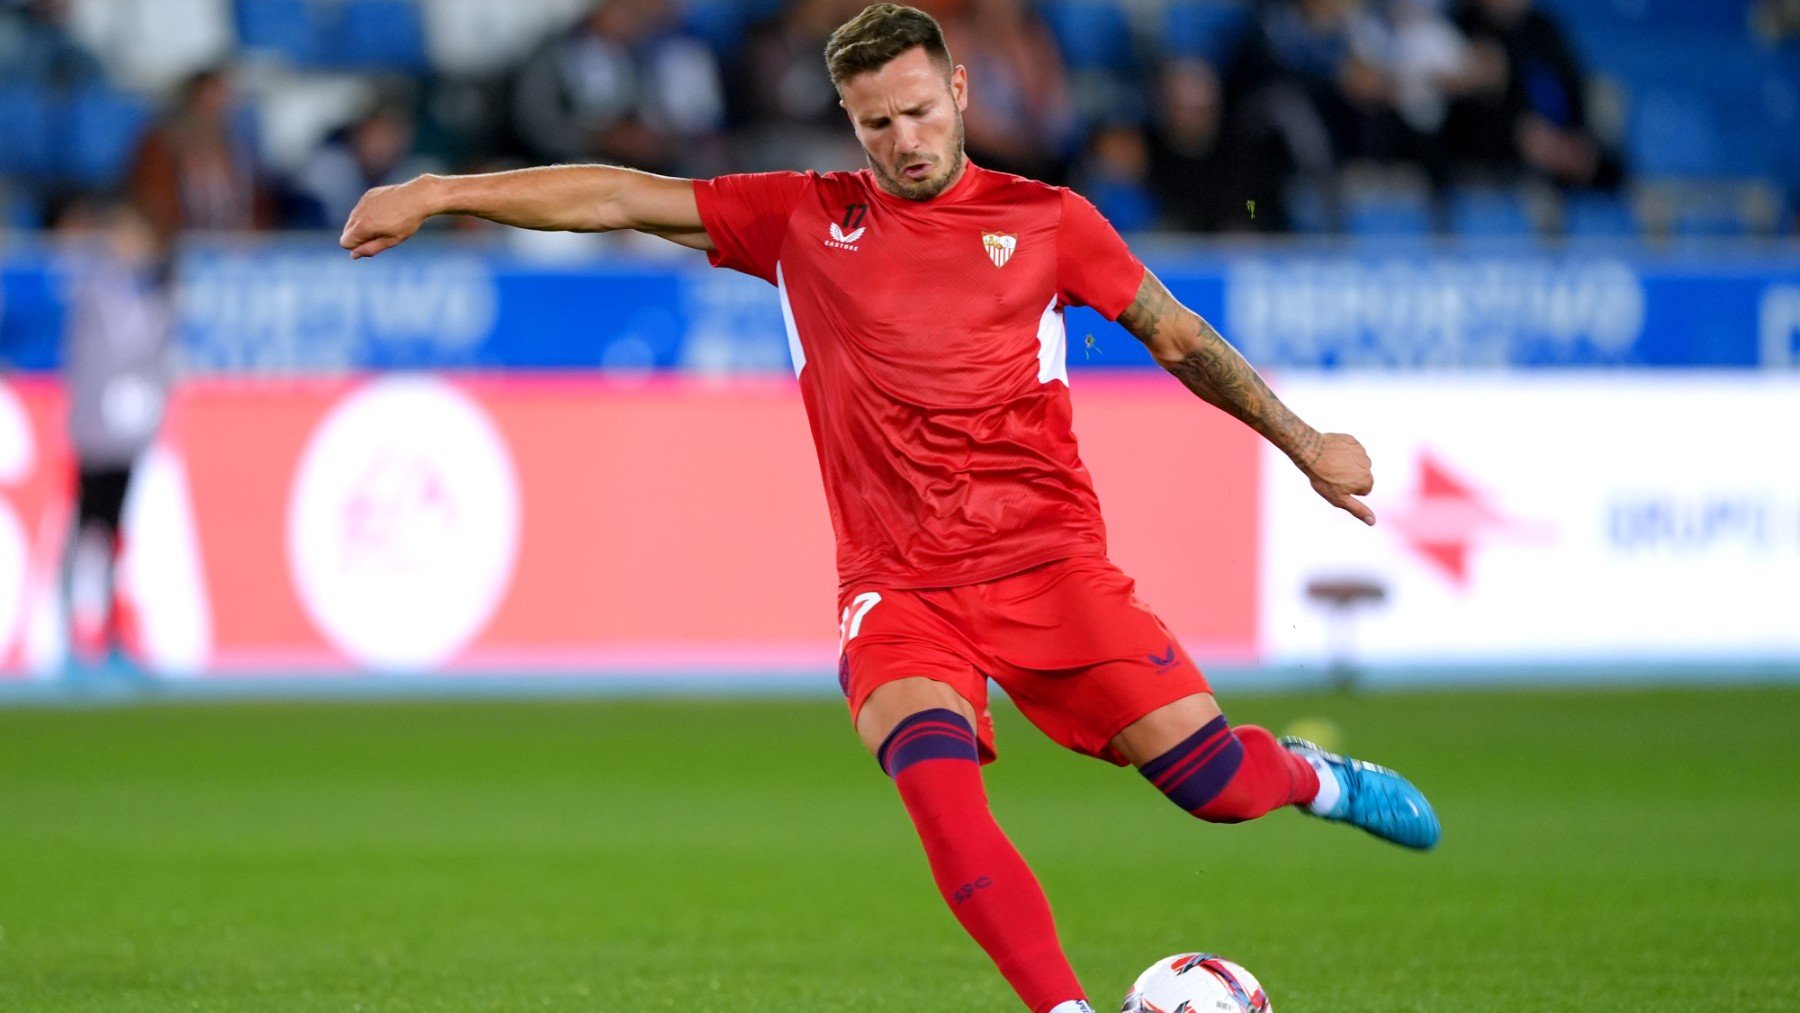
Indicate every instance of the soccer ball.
{"type": "Point", "coordinates": [1196, 983]}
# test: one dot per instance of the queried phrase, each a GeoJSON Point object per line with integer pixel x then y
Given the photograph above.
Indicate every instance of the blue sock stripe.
{"type": "Point", "coordinates": [937, 734]}
{"type": "Point", "coordinates": [1155, 769]}
{"type": "Point", "coordinates": [1205, 784]}
{"type": "Point", "coordinates": [1195, 772]}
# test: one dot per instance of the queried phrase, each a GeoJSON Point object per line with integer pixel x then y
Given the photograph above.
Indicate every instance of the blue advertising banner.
{"type": "Point", "coordinates": [289, 307]}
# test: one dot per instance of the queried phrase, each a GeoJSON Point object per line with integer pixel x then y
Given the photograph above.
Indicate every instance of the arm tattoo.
{"type": "Point", "coordinates": [1187, 346]}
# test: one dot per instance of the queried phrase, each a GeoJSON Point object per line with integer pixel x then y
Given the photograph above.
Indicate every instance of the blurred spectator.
{"type": "Point", "coordinates": [195, 170]}
{"type": "Point", "coordinates": [376, 149]}
{"type": "Point", "coordinates": [117, 376]}
{"type": "Point", "coordinates": [622, 86]}
{"type": "Point", "coordinates": [1313, 86]}
{"type": "Point", "coordinates": [1429, 62]}
{"type": "Point", "coordinates": [787, 101]}
{"type": "Point", "coordinates": [1535, 120]}
{"type": "Point", "coordinates": [1020, 116]}
{"type": "Point", "coordinates": [1114, 174]}
{"type": "Point", "coordinates": [1203, 181]}
{"type": "Point", "coordinates": [1776, 20]}
{"type": "Point", "coordinates": [35, 46]}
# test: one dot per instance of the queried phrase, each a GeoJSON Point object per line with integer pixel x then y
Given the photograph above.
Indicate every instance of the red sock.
{"type": "Point", "coordinates": [1227, 775]}
{"type": "Point", "coordinates": [932, 759]}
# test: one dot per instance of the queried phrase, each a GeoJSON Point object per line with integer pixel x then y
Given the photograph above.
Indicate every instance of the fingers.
{"type": "Point", "coordinates": [1358, 509]}
{"type": "Point", "coordinates": [372, 247]}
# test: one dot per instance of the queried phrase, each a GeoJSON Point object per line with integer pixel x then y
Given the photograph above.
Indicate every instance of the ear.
{"type": "Point", "coordinates": [959, 87]}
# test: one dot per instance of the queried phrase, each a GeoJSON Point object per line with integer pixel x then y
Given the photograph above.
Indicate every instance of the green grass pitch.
{"type": "Point", "coordinates": [1618, 850]}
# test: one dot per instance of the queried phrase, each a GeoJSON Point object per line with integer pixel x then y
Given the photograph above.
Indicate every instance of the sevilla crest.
{"type": "Point", "coordinates": [1000, 246]}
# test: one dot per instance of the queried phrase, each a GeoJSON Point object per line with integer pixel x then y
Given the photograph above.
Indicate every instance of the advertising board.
{"type": "Point", "coordinates": [505, 525]}
{"type": "Point", "coordinates": [1550, 519]}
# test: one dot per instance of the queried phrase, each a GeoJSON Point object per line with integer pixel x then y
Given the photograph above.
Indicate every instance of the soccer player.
{"type": "Point", "coordinates": [924, 299]}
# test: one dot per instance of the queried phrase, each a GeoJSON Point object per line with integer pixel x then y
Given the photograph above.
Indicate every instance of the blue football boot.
{"type": "Point", "coordinates": [1371, 797]}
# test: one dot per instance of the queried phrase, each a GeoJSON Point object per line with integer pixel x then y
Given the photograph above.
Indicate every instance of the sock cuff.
{"type": "Point", "coordinates": [936, 734]}
{"type": "Point", "coordinates": [1155, 769]}
{"type": "Point", "coordinates": [1196, 771]}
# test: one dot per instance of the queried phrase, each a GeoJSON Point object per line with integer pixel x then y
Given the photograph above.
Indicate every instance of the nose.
{"type": "Point", "coordinates": [906, 138]}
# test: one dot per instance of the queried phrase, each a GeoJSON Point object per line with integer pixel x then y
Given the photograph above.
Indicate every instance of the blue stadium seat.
{"type": "Point", "coordinates": [1722, 16]}
{"type": "Point", "coordinates": [25, 124]}
{"type": "Point", "coordinates": [1208, 30]}
{"type": "Point", "coordinates": [1597, 216]}
{"type": "Point", "coordinates": [1307, 210]}
{"type": "Point", "coordinates": [1092, 34]}
{"type": "Point", "coordinates": [103, 127]}
{"type": "Point", "coordinates": [1388, 216]}
{"type": "Point", "coordinates": [291, 28]}
{"type": "Point", "coordinates": [388, 34]}
{"type": "Point", "coordinates": [1708, 220]}
{"type": "Point", "coordinates": [718, 23]}
{"type": "Point", "coordinates": [1675, 134]}
{"type": "Point", "coordinates": [19, 210]}
{"type": "Point", "coordinates": [1587, 19]}
{"type": "Point", "coordinates": [1490, 212]}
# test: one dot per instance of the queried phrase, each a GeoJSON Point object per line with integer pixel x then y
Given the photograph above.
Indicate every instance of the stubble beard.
{"type": "Point", "coordinates": [924, 189]}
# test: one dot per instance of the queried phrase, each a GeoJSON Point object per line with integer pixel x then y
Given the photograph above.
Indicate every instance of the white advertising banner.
{"type": "Point", "coordinates": [1547, 519]}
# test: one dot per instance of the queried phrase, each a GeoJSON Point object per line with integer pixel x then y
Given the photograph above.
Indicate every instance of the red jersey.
{"type": "Point", "coordinates": [928, 339]}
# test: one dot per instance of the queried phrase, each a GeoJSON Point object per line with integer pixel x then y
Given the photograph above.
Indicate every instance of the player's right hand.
{"type": "Point", "coordinates": [384, 218]}
{"type": "Point", "coordinates": [1340, 472]}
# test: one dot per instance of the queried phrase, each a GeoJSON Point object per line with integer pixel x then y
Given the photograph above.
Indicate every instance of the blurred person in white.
{"type": "Point", "coordinates": [1025, 121]}
{"type": "Point", "coordinates": [196, 170]}
{"type": "Point", "coordinates": [623, 85]}
{"type": "Point", "coordinates": [36, 46]}
{"type": "Point", "coordinates": [1429, 62]}
{"type": "Point", "coordinates": [375, 149]}
{"type": "Point", "coordinates": [117, 374]}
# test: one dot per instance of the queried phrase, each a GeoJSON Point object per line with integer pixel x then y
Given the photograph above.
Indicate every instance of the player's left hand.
{"type": "Point", "coordinates": [1340, 472]}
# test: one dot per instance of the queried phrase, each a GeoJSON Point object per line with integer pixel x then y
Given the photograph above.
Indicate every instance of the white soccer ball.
{"type": "Point", "coordinates": [1196, 983]}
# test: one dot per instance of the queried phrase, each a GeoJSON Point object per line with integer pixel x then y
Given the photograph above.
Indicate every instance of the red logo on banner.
{"type": "Point", "coordinates": [1449, 517]}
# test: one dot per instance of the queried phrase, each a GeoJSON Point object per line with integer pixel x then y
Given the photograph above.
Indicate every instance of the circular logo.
{"type": "Point", "coordinates": [403, 526]}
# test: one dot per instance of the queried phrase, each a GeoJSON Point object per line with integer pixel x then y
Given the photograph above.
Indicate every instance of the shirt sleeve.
{"type": "Point", "coordinates": [746, 216]}
{"type": "Point", "coordinates": [1094, 267]}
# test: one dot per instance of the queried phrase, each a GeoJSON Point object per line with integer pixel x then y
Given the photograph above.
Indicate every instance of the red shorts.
{"type": "Point", "coordinates": [1068, 641]}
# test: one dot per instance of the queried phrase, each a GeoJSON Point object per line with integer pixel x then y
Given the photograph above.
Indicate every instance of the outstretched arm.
{"type": "Point", "coordinates": [564, 198]}
{"type": "Point", "coordinates": [1187, 346]}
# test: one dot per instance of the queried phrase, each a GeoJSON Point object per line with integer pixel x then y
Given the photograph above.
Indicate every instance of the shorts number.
{"type": "Point", "coordinates": [850, 624]}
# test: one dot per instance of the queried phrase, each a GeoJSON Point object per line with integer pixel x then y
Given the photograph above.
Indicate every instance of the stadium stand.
{"type": "Point", "coordinates": [1700, 106]}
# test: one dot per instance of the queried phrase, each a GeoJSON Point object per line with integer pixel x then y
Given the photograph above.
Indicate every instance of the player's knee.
{"type": "Point", "coordinates": [1197, 774]}
{"type": "Point", "coordinates": [894, 702]}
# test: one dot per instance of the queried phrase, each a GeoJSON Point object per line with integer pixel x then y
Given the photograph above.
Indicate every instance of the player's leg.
{"type": "Point", "coordinates": [1111, 681]}
{"type": "Point", "coordinates": [924, 734]}
{"type": "Point", "coordinates": [1228, 775]}
{"type": "Point", "coordinates": [1216, 772]}
{"type": "Point", "coordinates": [92, 552]}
